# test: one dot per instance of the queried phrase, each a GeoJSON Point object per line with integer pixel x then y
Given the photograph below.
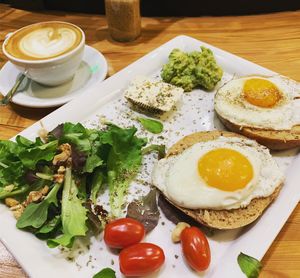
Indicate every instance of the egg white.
{"type": "Point", "coordinates": [231, 105]}
{"type": "Point", "coordinates": [177, 176]}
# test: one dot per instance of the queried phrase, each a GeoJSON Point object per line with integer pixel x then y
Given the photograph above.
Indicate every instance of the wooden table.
{"type": "Point", "coordinates": [272, 41]}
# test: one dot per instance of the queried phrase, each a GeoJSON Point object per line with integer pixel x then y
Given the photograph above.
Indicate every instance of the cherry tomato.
{"type": "Point", "coordinates": [123, 232]}
{"type": "Point", "coordinates": [141, 259]}
{"type": "Point", "coordinates": [195, 248]}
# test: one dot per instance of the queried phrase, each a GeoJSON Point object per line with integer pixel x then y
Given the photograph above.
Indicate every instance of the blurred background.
{"type": "Point", "coordinates": [166, 7]}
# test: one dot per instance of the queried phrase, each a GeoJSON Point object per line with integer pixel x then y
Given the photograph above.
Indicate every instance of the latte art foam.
{"type": "Point", "coordinates": [43, 41]}
{"type": "Point", "coordinates": [47, 42]}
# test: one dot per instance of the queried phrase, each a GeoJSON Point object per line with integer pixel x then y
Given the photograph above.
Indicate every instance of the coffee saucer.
{"type": "Point", "coordinates": [93, 69]}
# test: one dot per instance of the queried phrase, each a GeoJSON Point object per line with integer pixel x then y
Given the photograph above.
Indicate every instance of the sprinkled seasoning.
{"type": "Point", "coordinates": [153, 94]}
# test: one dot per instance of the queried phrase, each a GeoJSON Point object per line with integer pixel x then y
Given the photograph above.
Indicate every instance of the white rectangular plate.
{"type": "Point", "coordinates": [195, 113]}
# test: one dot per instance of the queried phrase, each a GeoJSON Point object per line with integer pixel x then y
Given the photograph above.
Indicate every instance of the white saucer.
{"type": "Point", "coordinates": [92, 69]}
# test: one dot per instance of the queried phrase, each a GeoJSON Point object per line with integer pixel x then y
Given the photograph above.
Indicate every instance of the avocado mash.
{"type": "Point", "coordinates": [190, 70]}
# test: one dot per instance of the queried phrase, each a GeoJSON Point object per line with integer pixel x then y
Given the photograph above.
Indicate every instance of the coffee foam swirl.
{"type": "Point", "coordinates": [47, 42]}
{"type": "Point", "coordinates": [43, 41]}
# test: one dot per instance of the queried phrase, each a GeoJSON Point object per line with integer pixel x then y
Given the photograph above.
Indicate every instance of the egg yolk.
{"type": "Point", "coordinates": [225, 169]}
{"type": "Point", "coordinates": [261, 92]}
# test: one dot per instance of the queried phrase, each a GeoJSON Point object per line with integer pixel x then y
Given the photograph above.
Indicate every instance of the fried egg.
{"type": "Point", "coordinates": [260, 102]}
{"type": "Point", "coordinates": [225, 173]}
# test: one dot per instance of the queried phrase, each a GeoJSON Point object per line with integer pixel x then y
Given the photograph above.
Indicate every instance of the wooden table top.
{"type": "Point", "coordinates": [271, 40]}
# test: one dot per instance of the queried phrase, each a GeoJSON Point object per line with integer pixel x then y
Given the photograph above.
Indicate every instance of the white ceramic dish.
{"type": "Point", "coordinates": [195, 113]}
{"type": "Point", "coordinates": [92, 69]}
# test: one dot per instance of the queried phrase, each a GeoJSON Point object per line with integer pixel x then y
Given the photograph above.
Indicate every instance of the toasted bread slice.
{"type": "Point", "coordinates": [221, 219]}
{"type": "Point", "coordinates": [273, 139]}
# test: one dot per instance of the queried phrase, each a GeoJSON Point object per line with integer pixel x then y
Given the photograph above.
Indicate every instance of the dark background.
{"type": "Point", "coordinates": [166, 7]}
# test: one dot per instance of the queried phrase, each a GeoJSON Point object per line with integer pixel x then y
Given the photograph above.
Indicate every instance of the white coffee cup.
{"type": "Point", "coordinates": [51, 71]}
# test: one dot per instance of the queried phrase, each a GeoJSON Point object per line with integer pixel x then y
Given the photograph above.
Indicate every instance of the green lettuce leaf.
{"type": "Point", "coordinates": [11, 168]}
{"type": "Point", "coordinates": [50, 225]}
{"type": "Point", "coordinates": [77, 135]}
{"type": "Point", "coordinates": [249, 265]}
{"type": "Point", "coordinates": [35, 214]}
{"type": "Point", "coordinates": [124, 161]}
{"type": "Point", "coordinates": [73, 214]}
{"type": "Point", "coordinates": [83, 140]}
{"type": "Point", "coordinates": [97, 181]}
{"type": "Point", "coordinates": [31, 156]}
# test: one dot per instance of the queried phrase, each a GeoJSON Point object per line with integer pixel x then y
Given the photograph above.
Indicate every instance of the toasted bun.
{"type": "Point", "coordinates": [221, 219]}
{"type": "Point", "coordinates": [273, 139]}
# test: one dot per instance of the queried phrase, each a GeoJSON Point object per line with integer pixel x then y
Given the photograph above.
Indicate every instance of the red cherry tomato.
{"type": "Point", "coordinates": [123, 232]}
{"type": "Point", "coordinates": [195, 248]}
{"type": "Point", "coordinates": [141, 259]}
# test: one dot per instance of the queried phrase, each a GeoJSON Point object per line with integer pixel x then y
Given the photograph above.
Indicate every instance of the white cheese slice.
{"type": "Point", "coordinates": [153, 94]}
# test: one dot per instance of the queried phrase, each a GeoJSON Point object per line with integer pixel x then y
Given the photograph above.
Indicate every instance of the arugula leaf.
{"type": "Point", "coordinates": [105, 273]}
{"type": "Point", "coordinates": [249, 265]}
{"type": "Point", "coordinates": [35, 214]}
{"type": "Point", "coordinates": [151, 125]}
{"type": "Point", "coordinates": [124, 161]}
{"type": "Point", "coordinates": [161, 149]}
{"type": "Point", "coordinates": [31, 156]}
{"type": "Point", "coordinates": [73, 214]}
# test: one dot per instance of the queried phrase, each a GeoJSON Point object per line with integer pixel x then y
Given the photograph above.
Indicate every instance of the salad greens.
{"type": "Point", "coordinates": [151, 125]}
{"type": "Point", "coordinates": [123, 162]}
{"type": "Point", "coordinates": [55, 184]}
{"type": "Point", "coordinates": [36, 214]}
{"type": "Point", "coordinates": [249, 265]}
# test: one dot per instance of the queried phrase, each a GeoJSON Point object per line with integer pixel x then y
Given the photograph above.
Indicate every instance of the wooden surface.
{"type": "Point", "coordinates": [272, 41]}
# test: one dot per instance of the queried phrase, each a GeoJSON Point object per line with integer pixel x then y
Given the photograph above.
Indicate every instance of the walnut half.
{"type": "Point", "coordinates": [65, 154]}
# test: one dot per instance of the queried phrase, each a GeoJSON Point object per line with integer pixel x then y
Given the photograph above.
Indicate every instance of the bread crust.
{"type": "Point", "coordinates": [221, 219]}
{"type": "Point", "coordinates": [272, 139]}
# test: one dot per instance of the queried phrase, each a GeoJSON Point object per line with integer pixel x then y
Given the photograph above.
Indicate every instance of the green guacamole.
{"type": "Point", "coordinates": [190, 70]}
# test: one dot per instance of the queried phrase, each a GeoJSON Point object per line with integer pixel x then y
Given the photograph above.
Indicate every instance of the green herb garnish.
{"type": "Point", "coordinates": [249, 265]}
{"type": "Point", "coordinates": [151, 125]}
{"type": "Point", "coordinates": [105, 273]}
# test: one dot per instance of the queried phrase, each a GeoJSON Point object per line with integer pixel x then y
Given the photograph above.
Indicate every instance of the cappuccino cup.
{"type": "Point", "coordinates": [49, 52]}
